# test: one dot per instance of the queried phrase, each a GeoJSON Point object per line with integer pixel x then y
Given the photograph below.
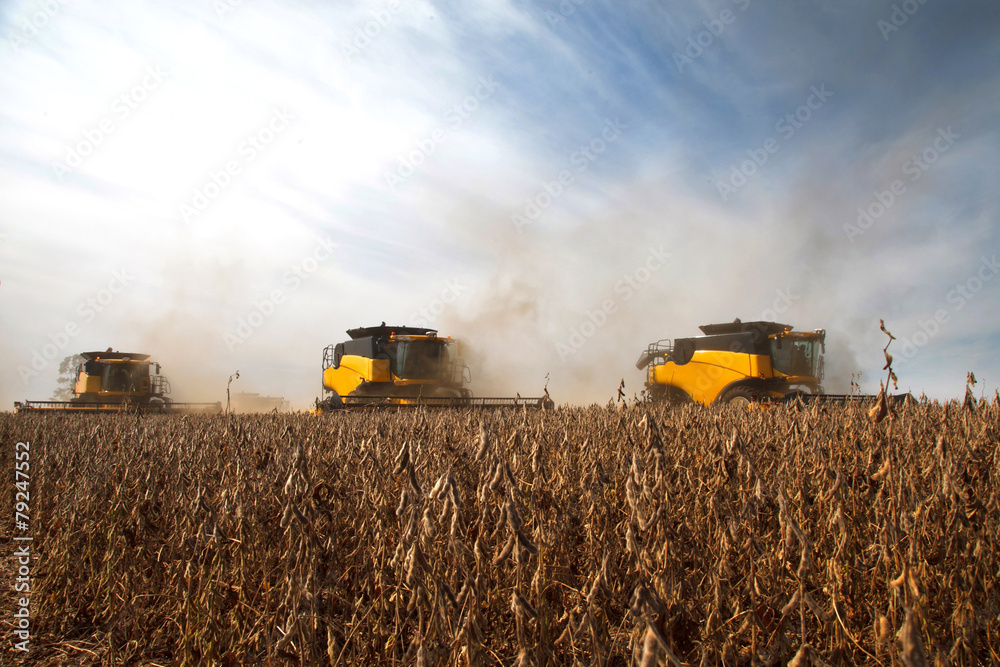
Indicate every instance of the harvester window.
{"type": "Point", "coordinates": [117, 378]}
{"type": "Point", "coordinates": [800, 361]}
{"type": "Point", "coordinates": [421, 360]}
{"type": "Point", "coordinates": [126, 377]}
{"type": "Point", "coordinates": [795, 357]}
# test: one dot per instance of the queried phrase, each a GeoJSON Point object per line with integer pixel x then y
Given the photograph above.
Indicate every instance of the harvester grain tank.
{"type": "Point", "coordinates": [401, 366]}
{"type": "Point", "coordinates": [118, 381]}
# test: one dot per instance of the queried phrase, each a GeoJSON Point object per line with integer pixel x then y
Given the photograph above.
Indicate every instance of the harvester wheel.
{"type": "Point", "coordinates": [331, 403]}
{"type": "Point", "coordinates": [739, 397]}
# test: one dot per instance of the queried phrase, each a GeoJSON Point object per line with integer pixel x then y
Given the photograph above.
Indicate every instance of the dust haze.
{"type": "Point", "coordinates": [575, 306]}
{"type": "Point", "coordinates": [569, 303]}
{"type": "Point", "coordinates": [184, 333]}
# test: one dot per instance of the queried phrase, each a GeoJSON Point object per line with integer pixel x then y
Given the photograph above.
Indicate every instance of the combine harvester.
{"type": "Point", "coordinates": [739, 363]}
{"type": "Point", "coordinates": [118, 382]}
{"type": "Point", "coordinates": [387, 366]}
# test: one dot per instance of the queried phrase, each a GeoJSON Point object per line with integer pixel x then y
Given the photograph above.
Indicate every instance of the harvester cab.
{"type": "Point", "coordinates": [736, 363]}
{"type": "Point", "coordinates": [112, 381]}
{"type": "Point", "coordinates": [118, 377]}
{"type": "Point", "coordinates": [401, 366]}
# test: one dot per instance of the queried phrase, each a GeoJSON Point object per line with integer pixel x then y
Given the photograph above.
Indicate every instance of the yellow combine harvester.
{"type": "Point", "coordinates": [737, 363]}
{"type": "Point", "coordinates": [118, 381]}
{"type": "Point", "coordinates": [387, 366]}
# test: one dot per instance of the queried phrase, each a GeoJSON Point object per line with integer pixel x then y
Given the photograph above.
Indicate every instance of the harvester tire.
{"type": "Point", "coordinates": [739, 397]}
{"type": "Point", "coordinates": [331, 403]}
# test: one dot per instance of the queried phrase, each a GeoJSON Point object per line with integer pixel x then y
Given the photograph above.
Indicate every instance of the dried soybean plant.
{"type": "Point", "coordinates": [603, 535]}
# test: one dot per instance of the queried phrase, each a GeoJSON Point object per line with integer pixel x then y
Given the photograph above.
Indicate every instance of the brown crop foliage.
{"type": "Point", "coordinates": [802, 534]}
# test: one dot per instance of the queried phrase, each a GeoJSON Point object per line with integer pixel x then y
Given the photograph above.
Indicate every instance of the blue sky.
{"type": "Point", "coordinates": [230, 185]}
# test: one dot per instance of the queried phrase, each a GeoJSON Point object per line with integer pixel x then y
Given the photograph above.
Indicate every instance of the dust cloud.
{"type": "Point", "coordinates": [575, 306]}
{"type": "Point", "coordinates": [184, 332]}
{"type": "Point", "coordinates": [569, 303]}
